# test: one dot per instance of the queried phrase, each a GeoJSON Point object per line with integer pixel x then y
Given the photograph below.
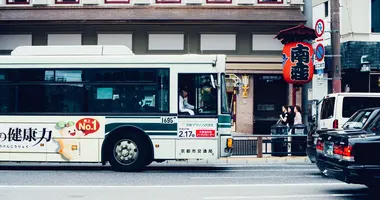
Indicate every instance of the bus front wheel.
{"type": "Point", "coordinates": [128, 153]}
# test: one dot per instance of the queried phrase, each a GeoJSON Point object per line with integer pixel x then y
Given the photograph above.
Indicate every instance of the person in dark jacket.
{"type": "Point", "coordinates": [284, 115]}
{"type": "Point", "coordinates": [290, 118]}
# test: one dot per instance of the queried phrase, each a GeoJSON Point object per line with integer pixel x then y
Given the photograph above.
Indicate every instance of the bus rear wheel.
{"type": "Point", "coordinates": [128, 153]}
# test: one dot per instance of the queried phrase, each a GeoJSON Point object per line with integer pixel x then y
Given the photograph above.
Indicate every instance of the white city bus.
{"type": "Point", "coordinates": [99, 104]}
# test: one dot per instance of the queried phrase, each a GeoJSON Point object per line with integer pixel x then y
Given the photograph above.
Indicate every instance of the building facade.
{"type": "Point", "coordinates": [360, 42]}
{"type": "Point", "coordinates": [241, 29]}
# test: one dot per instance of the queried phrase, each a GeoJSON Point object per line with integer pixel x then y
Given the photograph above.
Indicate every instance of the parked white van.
{"type": "Point", "coordinates": [337, 108]}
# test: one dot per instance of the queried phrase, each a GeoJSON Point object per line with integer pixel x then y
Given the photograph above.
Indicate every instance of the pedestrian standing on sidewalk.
{"type": "Point", "coordinates": [284, 115]}
{"type": "Point", "coordinates": [290, 118]}
{"type": "Point", "coordinates": [290, 121]}
{"type": "Point", "coordinates": [298, 115]}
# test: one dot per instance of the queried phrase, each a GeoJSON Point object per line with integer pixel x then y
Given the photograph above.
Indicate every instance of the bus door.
{"type": "Point", "coordinates": [197, 135]}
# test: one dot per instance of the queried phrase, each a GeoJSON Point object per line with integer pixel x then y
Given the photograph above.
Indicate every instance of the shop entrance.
{"type": "Point", "coordinates": [270, 94]}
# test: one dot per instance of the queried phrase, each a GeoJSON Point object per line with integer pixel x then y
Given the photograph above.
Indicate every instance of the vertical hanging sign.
{"type": "Point", "coordinates": [298, 62]}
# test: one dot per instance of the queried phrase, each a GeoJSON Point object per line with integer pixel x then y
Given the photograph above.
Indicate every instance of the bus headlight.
{"type": "Point", "coordinates": [229, 143]}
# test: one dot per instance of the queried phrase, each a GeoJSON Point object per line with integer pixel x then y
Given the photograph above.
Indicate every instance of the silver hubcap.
{"type": "Point", "coordinates": [126, 152]}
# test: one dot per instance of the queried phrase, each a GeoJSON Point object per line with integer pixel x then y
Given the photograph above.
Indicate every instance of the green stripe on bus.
{"type": "Point", "coordinates": [133, 117]}
{"type": "Point", "coordinates": [143, 126]}
{"type": "Point", "coordinates": [224, 119]}
{"type": "Point", "coordinates": [165, 133]}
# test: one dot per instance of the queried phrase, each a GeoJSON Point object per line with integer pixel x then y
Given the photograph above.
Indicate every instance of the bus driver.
{"type": "Point", "coordinates": [184, 106]}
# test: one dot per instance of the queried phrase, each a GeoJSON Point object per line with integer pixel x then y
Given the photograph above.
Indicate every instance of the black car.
{"type": "Point", "coordinates": [352, 155]}
{"type": "Point", "coordinates": [356, 121]}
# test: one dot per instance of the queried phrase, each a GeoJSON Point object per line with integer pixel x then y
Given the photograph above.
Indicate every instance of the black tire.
{"type": "Point", "coordinates": [372, 185]}
{"type": "Point", "coordinates": [148, 161]}
{"type": "Point", "coordinates": [140, 160]}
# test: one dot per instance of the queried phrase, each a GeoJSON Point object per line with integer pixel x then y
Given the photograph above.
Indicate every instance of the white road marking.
{"type": "Point", "coordinates": [265, 170]}
{"type": "Point", "coordinates": [216, 165]}
{"type": "Point", "coordinates": [176, 186]}
{"type": "Point", "coordinates": [163, 170]}
{"type": "Point", "coordinates": [251, 177]}
{"type": "Point", "coordinates": [286, 196]}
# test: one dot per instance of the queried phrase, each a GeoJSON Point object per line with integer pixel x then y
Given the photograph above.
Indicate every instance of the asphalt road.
{"type": "Point", "coordinates": [167, 182]}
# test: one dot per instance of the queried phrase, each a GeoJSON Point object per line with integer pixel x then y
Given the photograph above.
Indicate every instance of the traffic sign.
{"type": "Point", "coordinates": [319, 65]}
{"type": "Point", "coordinates": [319, 27]}
{"type": "Point", "coordinates": [319, 77]}
{"type": "Point", "coordinates": [320, 52]}
{"type": "Point", "coordinates": [319, 72]}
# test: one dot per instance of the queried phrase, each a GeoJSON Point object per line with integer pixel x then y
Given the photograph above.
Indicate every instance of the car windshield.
{"type": "Point", "coordinates": [357, 120]}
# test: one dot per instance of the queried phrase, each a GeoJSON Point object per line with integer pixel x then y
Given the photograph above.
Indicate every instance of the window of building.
{"type": "Point", "coordinates": [64, 39]}
{"type": "Point", "coordinates": [218, 42]}
{"type": "Point", "coordinates": [116, 38]}
{"type": "Point", "coordinates": [9, 42]}
{"type": "Point", "coordinates": [67, 1]}
{"type": "Point", "coordinates": [174, 42]}
{"type": "Point", "coordinates": [168, 1]}
{"type": "Point", "coordinates": [375, 15]}
{"type": "Point", "coordinates": [326, 8]}
{"type": "Point", "coordinates": [219, 1]}
{"type": "Point", "coordinates": [261, 42]}
{"type": "Point", "coordinates": [270, 1]}
{"type": "Point", "coordinates": [116, 1]}
{"type": "Point", "coordinates": [18, 1]}
{"type": "Point", "coordinates": [197, 95]}
{"type": "Point", "coordinates": [85, 91]}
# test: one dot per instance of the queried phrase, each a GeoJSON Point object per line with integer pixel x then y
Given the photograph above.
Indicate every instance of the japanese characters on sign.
{"type": "Point", "coordinates": [61, 137]}
{"type": "Point", "coordinates": [31, 136]}
{"type": "Point", "coordinates": [298, 62]}
{"type": "Point", "coordinates": [196, 130]}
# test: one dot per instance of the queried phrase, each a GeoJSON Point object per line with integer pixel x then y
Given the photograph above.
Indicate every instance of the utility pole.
{"type": "Point", "coordinates": [335, 45]}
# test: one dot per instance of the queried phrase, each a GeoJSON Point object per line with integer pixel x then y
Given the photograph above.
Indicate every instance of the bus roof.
{"type": "Point", "coordinates": [74, 50]}
{"type": "Point", "coordinates": [42, 56]}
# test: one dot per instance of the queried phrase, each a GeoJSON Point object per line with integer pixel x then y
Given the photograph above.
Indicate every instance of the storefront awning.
{"type": "Point", "coordinates": [254, 64]}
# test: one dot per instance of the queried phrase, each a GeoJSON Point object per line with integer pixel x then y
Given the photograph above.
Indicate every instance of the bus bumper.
{"type": "Point", "coordinates": [226, 145]}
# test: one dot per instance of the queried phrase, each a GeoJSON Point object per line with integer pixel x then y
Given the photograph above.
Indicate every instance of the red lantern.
{"type": "Point", "coordinates": [298, 66]}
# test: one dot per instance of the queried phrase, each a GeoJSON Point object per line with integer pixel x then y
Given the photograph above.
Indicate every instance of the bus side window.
{"type": "Point", "coordinates": [196, 94]}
